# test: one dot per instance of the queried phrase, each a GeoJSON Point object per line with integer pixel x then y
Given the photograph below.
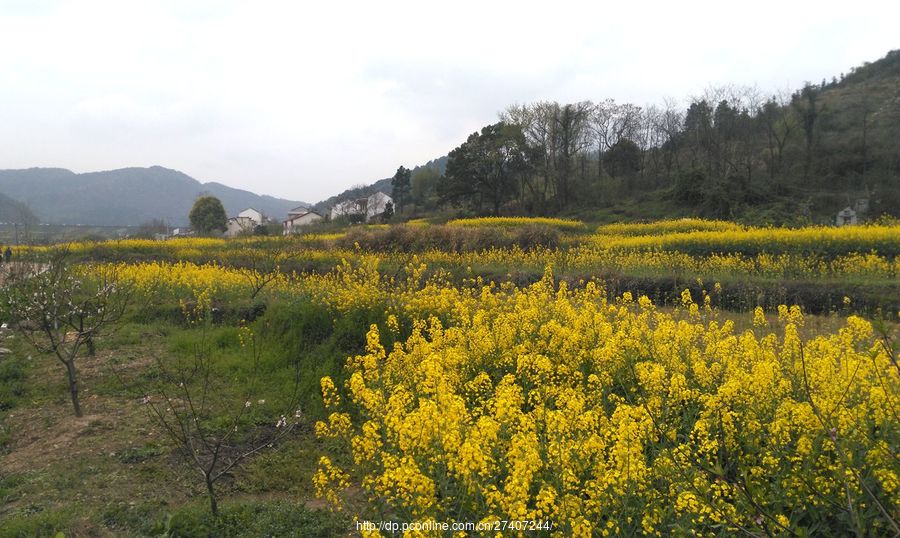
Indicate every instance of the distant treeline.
{"type": "Point", "coordinates": [729, 150]}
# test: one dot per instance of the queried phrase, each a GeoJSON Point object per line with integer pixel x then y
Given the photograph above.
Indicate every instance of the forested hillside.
{"type": "Point", "coordinates": [732, 152]}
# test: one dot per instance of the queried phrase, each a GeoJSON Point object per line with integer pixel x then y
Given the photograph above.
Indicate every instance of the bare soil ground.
{"type": "Point", "coordinates": [116, 455]}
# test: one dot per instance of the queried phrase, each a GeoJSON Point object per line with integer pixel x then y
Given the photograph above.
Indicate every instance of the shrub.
{"type": "Point", "coordinates": [536, 235]}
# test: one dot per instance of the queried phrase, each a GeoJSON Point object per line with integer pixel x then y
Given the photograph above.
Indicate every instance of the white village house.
{"type": "Point", "coordinates": [244, 222]}
{"type": "Point", "coordinates": [299, 217]}
{"type": "Point", "coordinates": [347, 207]}
{"type": "Point", "coordinates": [253, 215]}
{"type": "Point", "coordinates": [369, 207]}
{"type": "Point", "coordinates": [846, 217]}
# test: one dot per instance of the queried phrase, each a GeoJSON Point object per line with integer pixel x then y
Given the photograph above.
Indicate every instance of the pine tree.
{"type": "Point", "coordinates": [401, 187]}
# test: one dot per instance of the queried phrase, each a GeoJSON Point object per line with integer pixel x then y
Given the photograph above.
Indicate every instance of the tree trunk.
{"type": "Point", "coordinates": [73, 385]}
{"type": "Point", "coordinates": [599, 161]}
{"type": "Point", "coordinates": [210, 492]}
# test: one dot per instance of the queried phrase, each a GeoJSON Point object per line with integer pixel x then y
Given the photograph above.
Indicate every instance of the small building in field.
{"type": "Point", "coordinates": [376, 204]}
{"type": "Point", "coordinates": [846, 217]}
{"type": "Point", "coordinates": [299, 217]}
{"type": "Point", "coordinates": [345, 208]}
{"type": "Point", "coordinates": [244, 222]}
{"type": "Point", "coordinates": [364, 208]}
{"type": "Point", "coordinates": [239, 225]}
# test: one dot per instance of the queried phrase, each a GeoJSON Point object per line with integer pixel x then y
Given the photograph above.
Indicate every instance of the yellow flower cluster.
{"type": "Point", "coordinates": [614, 417]}
{"type": "Point", "coordinates": [193, 248]}
{"type": "Point", "coordinates": [827, 241]}
{"type": "Point", "coordinates": [668, 226]}
{"type": "Point", "coordinates": [562, 224]}
{"type": "Point", "coordinates": [588, 260]}
{"type": "Point", "coordinates": [193, 279]}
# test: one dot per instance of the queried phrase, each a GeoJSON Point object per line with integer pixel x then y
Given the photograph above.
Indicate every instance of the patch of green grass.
{"type": "Point", "coordinates": [140, 518]}
{"type": "Point", "coordinates": [39, 521]}
{"type": "Point", "coordinates": [12, 381]}
{"type": "Point", "coordinates": [128, 334]}
{"type": "Point", "coordinates": [237, 520]}
{"type": "Point", "coordinates": [287, 469]}
{"type": "Point", "coordinates": [9, 487]}
{"type": "Point", "coordinates": [250, 520]}
{"type": "Point", "coordinates": [109, 488]}
{"type": "Point", "coordinates": [139, 454]}
{"type": "Point", "coordinates": [14, 385]}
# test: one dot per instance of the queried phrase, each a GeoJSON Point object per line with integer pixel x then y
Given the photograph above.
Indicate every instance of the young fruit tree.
{"type": "Point", "coordinates": [215, 416]}
{"type": "Point", "coordinates": [60, 308]}
{"type": "Point", "coordinates": [260, 271]}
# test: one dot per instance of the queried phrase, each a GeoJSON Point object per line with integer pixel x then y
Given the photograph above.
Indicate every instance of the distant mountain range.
{"type": "Point", "coordinates": [132, 196]}
{"type": "Point", "coordinates": [128, 196]}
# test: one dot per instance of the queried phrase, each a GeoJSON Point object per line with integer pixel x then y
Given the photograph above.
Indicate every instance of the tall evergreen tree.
{"type": "Point", "coordinates": [401, 187]}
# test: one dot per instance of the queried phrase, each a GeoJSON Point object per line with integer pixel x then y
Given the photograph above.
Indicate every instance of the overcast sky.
{"type": "Point", "coordinates": [302, 100]}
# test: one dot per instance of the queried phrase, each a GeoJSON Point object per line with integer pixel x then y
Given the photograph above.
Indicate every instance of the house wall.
{"type": "Point", "coordinates": [846, 218]}
{"type": "Point", "coordinates": [251, 214]}
{"type": "Point", "coordinates": [343, 208]}
{"type": "Point", "coordinates": [376, 204]}
{"type": "Point", "coordinates": [303, 220]}
{"type": "Point", "coordinates": [236, 225]}
{"type": "Point", "coordinates": [308, 218]}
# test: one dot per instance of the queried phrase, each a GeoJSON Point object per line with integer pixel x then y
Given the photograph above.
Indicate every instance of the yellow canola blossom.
{"type": "Point", "coordinates": [668, 226]}
{"type": "Point", "coordinates": [562, 224]}
{"type": "Point", "coordinates": [827, 241]}
{"type": "Point", "coordinates": [614, 417]}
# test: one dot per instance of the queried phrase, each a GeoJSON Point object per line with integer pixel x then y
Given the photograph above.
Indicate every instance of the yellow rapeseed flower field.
{"type": "Point", "coordinates": [615, 418]}
{"type": "Point", "coordinates": [601, 415]}
{"type": "Point", "coordinates": [687, 248]}
{"type": "Point", "coordinates": [825, 241]}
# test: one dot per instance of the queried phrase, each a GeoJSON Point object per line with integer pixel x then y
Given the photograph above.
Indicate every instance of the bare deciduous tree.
{"type": "Point", "coordinates": [573, 137]}
{"type": "Point", "coordinates": [261, 268]}
{"type": "Point", "coordinates": [62, 308]}
{"type": "Point", "coordinates": [214, 428]}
